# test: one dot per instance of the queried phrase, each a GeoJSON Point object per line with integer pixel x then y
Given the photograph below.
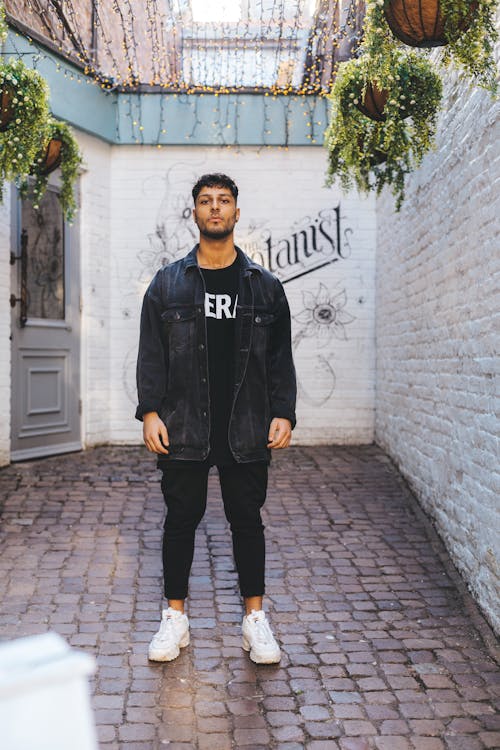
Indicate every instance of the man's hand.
{"type": "Point", "coordinates": [155, 433]}
{"type": "Point", "coordinates": [280, 433]}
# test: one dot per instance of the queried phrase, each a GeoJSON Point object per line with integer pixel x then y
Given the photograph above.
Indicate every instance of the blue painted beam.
{"type": "Point", "coordinates": [224, 119]}
{"type": "Point", "coordinates": [74, 97]}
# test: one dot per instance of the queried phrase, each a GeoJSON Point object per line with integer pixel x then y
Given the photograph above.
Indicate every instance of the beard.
{"type": "Point", "coordinates": [216, 234]}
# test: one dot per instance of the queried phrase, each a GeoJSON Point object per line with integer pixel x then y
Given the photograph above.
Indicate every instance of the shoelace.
{"type": "Point", "coordinates": [166, 625]}
{"type": "Point", "coordinates": [263, 631]}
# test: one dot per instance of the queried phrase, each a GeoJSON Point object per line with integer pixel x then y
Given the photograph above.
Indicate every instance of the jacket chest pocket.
{"type": "Point", "coordinates": [179, 327]}
{"type": "Point", "coordinates": [262, 325]}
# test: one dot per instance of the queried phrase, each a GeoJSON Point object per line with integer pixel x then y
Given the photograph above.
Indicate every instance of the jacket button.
{"type": "Point", "coordinates": [204, 413]}
{"type": "Point", "coordinates": [203, 380]}
{"type": "Point", "coordinates": [201, 347]}
{"type": "Point", "coordinates": [258, 319]}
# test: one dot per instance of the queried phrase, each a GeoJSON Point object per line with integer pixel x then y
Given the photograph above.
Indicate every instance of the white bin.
{"type": "Point", "coordinates": [44, 695]}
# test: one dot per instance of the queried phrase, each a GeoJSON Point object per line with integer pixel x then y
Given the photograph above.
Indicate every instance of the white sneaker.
{"type": "Point", "coordinates": [258, 638]}
{"type": "Point", "coordinates": [171, 637]}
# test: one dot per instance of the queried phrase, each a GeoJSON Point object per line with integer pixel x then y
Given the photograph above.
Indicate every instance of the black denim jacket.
{"type": "Point", "coordinates": [172, 365]}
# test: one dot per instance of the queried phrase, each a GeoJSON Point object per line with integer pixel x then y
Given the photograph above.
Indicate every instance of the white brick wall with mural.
{"type": "Point", "coordinates": [5, 313]}
{"type": "Point", "coordinates": [438, 266]}
{"type": "Point", "coordinates": [290, 223]}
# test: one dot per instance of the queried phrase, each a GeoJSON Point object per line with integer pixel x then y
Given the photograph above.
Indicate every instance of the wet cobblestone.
{"type": "Point", "coordinates": [383, 649]}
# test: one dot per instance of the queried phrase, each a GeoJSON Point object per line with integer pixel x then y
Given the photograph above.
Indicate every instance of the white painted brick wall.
{"type": "Point", "coordinates": [437, 333]}
{"type": "Point", "coordinates": [5, 313]}
{"type": "Point", "coordinates": [279, 190]}
{"type": "Point", "coordinates": [96, 281]}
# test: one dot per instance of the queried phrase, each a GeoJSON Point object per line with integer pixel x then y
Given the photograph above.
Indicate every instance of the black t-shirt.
{"type": "Point", "coordinates": [221, 297]}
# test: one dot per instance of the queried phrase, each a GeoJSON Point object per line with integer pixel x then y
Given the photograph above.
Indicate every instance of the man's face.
{"type": "Point", "coordinates": [215, 212]}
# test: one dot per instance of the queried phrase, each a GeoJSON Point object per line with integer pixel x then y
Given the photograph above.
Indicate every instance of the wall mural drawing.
{"type": "Point", "coordinates": [175, 232]}
{"type": "Point", "coordinates": [323, 316]}
{"type": "Point", "coordinates": [322, 319]}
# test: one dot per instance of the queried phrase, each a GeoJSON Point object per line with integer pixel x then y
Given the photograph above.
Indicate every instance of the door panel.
{"type": "Point", "coordinates": [45, 331]}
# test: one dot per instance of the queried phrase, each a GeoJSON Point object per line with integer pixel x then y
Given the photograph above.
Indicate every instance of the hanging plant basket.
{"type": "Point", "coordinates": [7, 109]}
{"type": "Point", "coordinates": [369, 153]}
{"type": "Point", "coordinates": [52, 158]}
{"type": "Point", "coordinates": [373, 102]}
{"type": "Point", "coordinates": [61, 150]}
{"type": "Point", "coordinates": [422, 23]}
{"type": "Point", "coordinates": [25, 114]}
{"type": "Point", "coordinates": [465, 28]}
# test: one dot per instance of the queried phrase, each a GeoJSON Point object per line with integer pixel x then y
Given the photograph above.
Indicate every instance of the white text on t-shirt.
{"type": "Point", "coordinates": [219, 306]}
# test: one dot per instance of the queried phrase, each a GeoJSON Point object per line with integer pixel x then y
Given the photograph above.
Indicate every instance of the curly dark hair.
{"type": "Point", "coordinates": [215, 179]}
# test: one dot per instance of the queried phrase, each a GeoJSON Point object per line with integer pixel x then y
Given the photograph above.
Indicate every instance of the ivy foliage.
{"type": "Point", "coordinates": [3, 25]}
{"type": "Point", "coordinates": [472, 47]}
{"type": "Point", "coordinates": [469, 28]}
{"type": "Point", "coordinates": [370, 154]}
{"type": "Point", "coordinates": [71, 161]}
{"type": "Point", "coordinates": [21, 139]}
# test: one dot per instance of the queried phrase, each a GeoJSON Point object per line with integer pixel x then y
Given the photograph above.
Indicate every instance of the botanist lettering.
{"type": "Point", "coordinates": [306, 249]}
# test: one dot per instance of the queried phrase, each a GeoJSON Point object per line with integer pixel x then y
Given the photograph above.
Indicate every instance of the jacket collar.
{"type": "Point", "coordinates": [246, 264]}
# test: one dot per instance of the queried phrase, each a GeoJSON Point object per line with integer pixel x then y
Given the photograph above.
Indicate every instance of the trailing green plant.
{"type": "Point", "coordinates": [371, 154]}
{"type": "Point", "coordinates": [3, 25]}
{"type": "Point", "coordinates": [71, 160]}
{"type": "Point", "coordinates": [470, 44]}
{"type": "Point", "coordinates": [29, 103]}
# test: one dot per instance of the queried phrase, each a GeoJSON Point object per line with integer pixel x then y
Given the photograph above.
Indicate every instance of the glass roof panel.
{"type": "Point", "coordinates": [282, 46]}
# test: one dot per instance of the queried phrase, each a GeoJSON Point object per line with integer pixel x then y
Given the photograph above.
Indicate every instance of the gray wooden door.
{"type": "Point", "coordinates": [45, 303]}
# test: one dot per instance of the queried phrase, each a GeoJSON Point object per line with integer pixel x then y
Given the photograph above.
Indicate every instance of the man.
{"type": "Point", "coordinates": [216, 386]}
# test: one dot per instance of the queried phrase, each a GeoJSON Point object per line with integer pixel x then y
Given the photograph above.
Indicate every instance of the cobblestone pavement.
{"type": "Point", "coordinates": [383, 648]}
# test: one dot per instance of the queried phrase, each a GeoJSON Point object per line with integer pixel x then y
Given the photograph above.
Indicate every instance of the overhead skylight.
{"type": "Point", "coordinates": [283, 46]}
{"type": "Point", "coordinates": [216, 11]}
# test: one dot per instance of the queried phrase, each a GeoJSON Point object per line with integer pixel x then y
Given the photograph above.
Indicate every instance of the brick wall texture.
{"type": "Point", "coordinates": [95, 243]}
{"type": "Point", "coordinates": [437, 314]}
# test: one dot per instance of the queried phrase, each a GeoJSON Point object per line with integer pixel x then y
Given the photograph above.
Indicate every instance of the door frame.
{"type": "Point", "coordinates": [72, 320]}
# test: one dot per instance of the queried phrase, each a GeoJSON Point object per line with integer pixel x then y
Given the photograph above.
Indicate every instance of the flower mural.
{"type": "Point", "coordinates": [323, 316]}
{"type": "Point", "coordinates": [175, 232]}
{"type": "Point", "coordinates": [322, 319]}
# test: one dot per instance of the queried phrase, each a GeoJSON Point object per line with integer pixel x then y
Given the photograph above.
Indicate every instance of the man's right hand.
{"type": "Point", "coordinates": [155, 433]}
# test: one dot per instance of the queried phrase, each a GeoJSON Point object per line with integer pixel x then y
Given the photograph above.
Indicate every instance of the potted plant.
{"type": "Point", "coordinates": [26, 115]}
{"type": "Point", "coordinates": [371, 153]}
{"type": "Point", "coordinates": [466, 28]}
{"type": "Point", "coordinates": [60, 149]}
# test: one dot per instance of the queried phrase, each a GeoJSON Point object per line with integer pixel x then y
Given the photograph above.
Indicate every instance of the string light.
{"type": "Point", "coordinates": [286, 50]}
{"type": "Point", "coordinates": [281, 46]}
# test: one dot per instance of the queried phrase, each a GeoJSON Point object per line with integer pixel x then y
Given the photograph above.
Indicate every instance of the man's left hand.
{"type": "Point", "coordinates": [280, 433]}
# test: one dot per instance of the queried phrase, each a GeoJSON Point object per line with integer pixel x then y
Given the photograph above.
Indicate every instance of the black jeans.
{"type": "Point", "coordinates": [243, 487]}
